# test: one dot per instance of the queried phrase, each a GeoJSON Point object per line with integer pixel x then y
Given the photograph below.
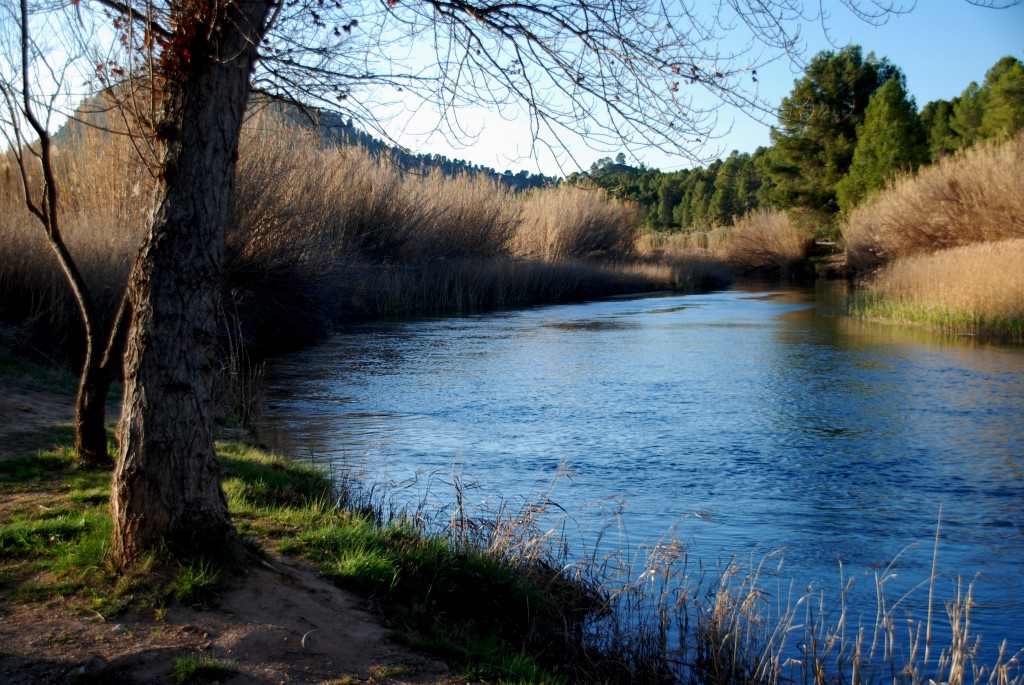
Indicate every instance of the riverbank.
{"type": "Point", "coordinates": [320, 234]}
{"type": "Point", "coordinates": [944, 248]}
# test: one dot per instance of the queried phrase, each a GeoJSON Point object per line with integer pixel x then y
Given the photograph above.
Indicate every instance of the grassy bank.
{"type": "Point", "coordinates": [972, 290]}
{"type": "Point", "coordinates": [945, 248]}
{"type": "Point", "coordinates": [763, 242]}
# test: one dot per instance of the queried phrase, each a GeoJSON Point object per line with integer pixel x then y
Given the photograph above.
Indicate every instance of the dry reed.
{"type": "Point", "coordinates": [572, 223]}
{"type": "Point", "coordinates": [656, 621]}
{"type": "Point", "coordinates": [766, 240]}
{"type": "Point", "coordinates": [320, 232]}
{"type": "Point", "coordinates": [973, 196]}
{"type": "Point", "coordinates": [975, 289]}
{"type": "Point", "coordinates": [105, 195]}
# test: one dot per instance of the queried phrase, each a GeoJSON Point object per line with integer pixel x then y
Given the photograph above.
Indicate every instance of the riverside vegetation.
{"type": "Point", "coordinates": [321, 233]}
{"type": "Point", "coordinates": [947, 244]}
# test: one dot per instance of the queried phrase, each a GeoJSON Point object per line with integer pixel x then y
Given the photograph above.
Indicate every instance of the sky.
{"type": "Point", "coordinates": [941, 46]}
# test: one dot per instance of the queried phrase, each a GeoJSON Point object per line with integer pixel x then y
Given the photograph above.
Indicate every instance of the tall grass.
{"type": "Point", "coordinates": [319, 233]}
{"type": "Point", "coordinates": [610, 613]}
{"type": "Point", "coordinates": [974, 196]}
{"type": "Point", "coordinates": [975, 289]}
{"type": "Point", "coordinates": [105, 193]}
{"type": "Point", "coordinates": [497, 592]}
{"type": "Point", "coordinates": [949, 243]}
{"type": "Point", "coordinates": [764, 241]}
{"type": "Point", "coordinates": [569, 222]}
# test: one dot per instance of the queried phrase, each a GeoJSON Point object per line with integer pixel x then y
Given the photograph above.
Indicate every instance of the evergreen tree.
{"type": "Point", "coordinates": [891, 139]}
{"type": "Point", "coordinates": [936, 119]}
{"type": "Point", "coordinates": [1004, 99]}
{"type": "Point", "coordinates": [967, 114]}
{"type": "Point", "coordinates": [722, 207]}
{"type": "Point", "coordinates": [817, 131]}
{"type": "Point", "coordinates": [670, 194]}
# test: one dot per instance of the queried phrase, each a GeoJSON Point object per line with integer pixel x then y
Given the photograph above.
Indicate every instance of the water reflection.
{"type": "Point", "coordinates": [783, 423]}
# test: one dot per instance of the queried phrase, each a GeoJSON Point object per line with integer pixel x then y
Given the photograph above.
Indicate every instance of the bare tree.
{"type": "Point", "coordinates": [24, 127]}
{"type": "Point", "coordinates": [637, 72]}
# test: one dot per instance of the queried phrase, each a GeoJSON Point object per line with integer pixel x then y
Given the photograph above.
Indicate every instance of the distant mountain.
{"type": "Point", "coordinates": [336, 128]}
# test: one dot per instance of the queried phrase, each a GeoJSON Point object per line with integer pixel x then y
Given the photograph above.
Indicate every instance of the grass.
{"type": "Point", "coordinates": [974, 196]}
{"type": "Point", "coordinates": [189, 669]}
{"type": "Point", "coordinates": [317, 234]}
{"type": "Point", "coordinates": [943, 248]}
{"type": "Point", "coordinates": [975, 290]}
{"type": "Point", "coordinates": [764, 241]}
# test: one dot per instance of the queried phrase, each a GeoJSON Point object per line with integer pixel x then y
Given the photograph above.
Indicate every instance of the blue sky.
{"type": "Point", "coordinates": [941, 46]}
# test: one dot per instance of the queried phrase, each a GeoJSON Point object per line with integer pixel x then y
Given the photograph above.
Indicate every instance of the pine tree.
{"type": "Point", "coordinates": [936, 118]}
{"type": "Point", "coordinates": [891, 139]}
{"type": "Point", "coordinates": [816, 136]}
{"type": "Point", "coordinates": [967, 114]}
{"type": "Point", "coordinates": [1004, 110]}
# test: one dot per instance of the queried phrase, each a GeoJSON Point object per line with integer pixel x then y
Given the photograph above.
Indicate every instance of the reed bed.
{"type": "Point", "coordinates": [105, 193]}
{"type": "Point", "coordinates": [568, 222]}
{"type": "Point", "coordinates": [974, 196]}
{"type": "Point", "coordinates": [971, 290]}
{"type": "Point", "coordinates": [766, 240]}
{"type": "Point", "coordinates": [763, 241]}
{"type": "Point", "coordinates": [319, 233]}
{"type": "Point", "coordinates": [712, 244]}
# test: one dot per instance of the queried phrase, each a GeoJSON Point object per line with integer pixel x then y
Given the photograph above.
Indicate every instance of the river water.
{"type": "Point", "coordinates": [748, 421]}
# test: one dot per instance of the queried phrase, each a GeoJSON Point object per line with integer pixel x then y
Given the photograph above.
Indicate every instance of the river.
{"type": "Point", "coordinates": [748, 421]}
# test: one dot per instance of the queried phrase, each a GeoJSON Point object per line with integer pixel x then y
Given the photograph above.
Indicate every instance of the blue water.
{"type": "Point", "coordinates": [749, 420]}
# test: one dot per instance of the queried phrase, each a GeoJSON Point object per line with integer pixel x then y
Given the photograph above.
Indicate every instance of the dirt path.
{"type": "Point", "coordinates": [279, 623]}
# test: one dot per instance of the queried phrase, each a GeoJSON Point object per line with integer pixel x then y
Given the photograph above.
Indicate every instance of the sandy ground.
{"type": "Point", "coordinates": [279, 623]}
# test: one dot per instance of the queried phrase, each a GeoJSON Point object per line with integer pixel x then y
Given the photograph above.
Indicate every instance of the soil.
{"type": "Point", "coordinates": [279, 623]}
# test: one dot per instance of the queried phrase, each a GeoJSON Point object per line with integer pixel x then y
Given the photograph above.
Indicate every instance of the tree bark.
{"type": "Point", "coordinates": [98, 374]}
{"type": "Point", "coordinates": [167, 486]}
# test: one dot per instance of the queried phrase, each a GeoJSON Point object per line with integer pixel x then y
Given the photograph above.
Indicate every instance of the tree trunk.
{"type": "Point", "coordinates": [167, 487]}
{"type": "Point", "coordinates": [98, 374]}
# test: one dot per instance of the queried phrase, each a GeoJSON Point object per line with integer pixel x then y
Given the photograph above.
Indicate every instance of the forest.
{"type": "Point", "coordinates": [845, 129]}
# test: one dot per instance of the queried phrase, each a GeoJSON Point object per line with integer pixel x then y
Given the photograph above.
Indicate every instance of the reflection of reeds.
{"type": "Point", "coordinates": [975, 289]}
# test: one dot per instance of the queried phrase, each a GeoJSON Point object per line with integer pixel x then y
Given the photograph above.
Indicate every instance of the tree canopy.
{"type": "Point", "coordinates": [813, 144]}
{"type": "Point", "coordinates": [891, 139]}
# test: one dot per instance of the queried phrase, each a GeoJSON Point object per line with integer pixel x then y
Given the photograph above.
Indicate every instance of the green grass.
{"type": "Point", "coordinates": [940, 318]}
{"type": "Point", "coordinates": [487, 614]}
{"type": "Point", "coordinates": [491, 616]}
{"type": "Point", "coordinates": [188, 669]}
{"type": "Point", "coordinates": [494, 615]}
